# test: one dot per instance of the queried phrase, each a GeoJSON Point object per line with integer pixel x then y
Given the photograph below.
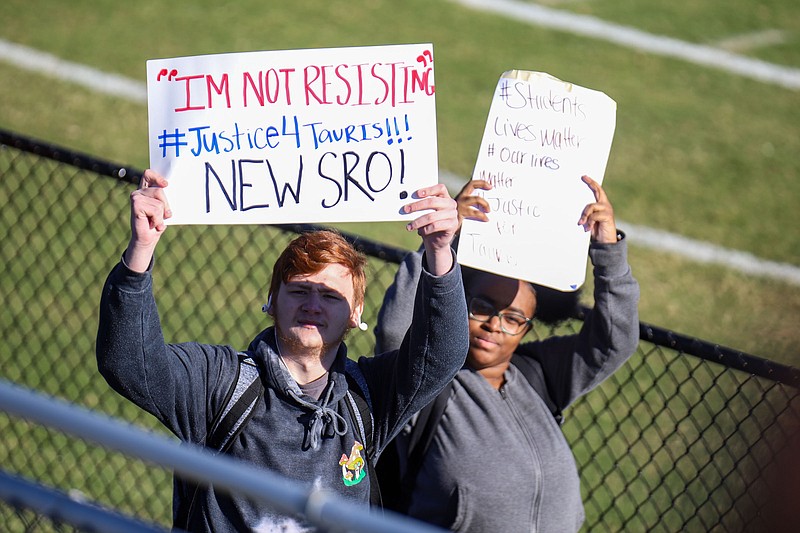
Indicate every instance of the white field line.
{"type": "Point", "coordinates": [707, 56]}
{"type": "Point", "coordinates": [751, 41]}
{"type": "Point", "coordinates": [132, 90]}
{"type": "Point", "coordinates": [699, 251]}
{"type": "Point", "coordinates": [54, 67]}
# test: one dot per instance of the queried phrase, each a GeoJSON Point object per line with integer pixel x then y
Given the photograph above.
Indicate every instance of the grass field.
{"type": "Point", "coordinates": [699, 152]}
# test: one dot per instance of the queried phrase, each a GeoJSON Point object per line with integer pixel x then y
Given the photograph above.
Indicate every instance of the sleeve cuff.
{"type": "Point", "coordinates": [149, 267]}
{"type": "Point", "coordinates": [427, 272]}
{"type": "Point", "coordinates": [610, 260]}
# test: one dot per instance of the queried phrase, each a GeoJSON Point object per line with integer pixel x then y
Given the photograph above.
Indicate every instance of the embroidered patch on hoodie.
{"type": "Point", "coordinates": [353, 466]}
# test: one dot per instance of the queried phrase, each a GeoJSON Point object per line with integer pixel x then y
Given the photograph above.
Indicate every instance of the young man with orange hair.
{"type": "Point", "coordinates": [305, 428]}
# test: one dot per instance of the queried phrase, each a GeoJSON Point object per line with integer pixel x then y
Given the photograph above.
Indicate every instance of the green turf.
{"type": "Point", "coordinates": [708, 22]}
{"type": "Point", "coordinates": [699, 152]}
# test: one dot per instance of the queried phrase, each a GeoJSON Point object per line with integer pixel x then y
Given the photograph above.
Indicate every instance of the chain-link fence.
{"type": "Point", "coordinates": [687, 436]}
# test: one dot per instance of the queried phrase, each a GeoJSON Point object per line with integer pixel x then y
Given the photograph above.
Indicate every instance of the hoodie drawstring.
{"type": "Point", "coordinates": [322, 417]}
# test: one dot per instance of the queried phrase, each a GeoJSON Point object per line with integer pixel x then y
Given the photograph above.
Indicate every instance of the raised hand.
{"type": "Point", "coordinates": [437, 227]}
{"type": "Point", "coordinates": [470, 206]}
{"type": "Point", "coordinates": [149, 210]}
{"type": "Point", "coordinates": [598, 217]}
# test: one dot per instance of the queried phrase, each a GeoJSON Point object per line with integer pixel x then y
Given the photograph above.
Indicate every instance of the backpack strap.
{"type": "Point", "coordinates": [361, 400]}
{"type": "Point", "coordinates": [398, 488]}
{"type": "Point", "coordinates": [422, 434]}
{"type": "Point", "coordinates": [528, 367]}
{"type": "Point", "coordinates": [420, 440]}
{"type": "Point", "coordinates": [359, 403]}
{"type": "Point", "coordinates": [353, 372]}
{"type": "Point", "coordinates": [239, 405]}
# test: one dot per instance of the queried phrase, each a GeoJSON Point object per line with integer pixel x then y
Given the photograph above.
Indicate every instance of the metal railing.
{"type": "Point", "coordinates": [326, 511]}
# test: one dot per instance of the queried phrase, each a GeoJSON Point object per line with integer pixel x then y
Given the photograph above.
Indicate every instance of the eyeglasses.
{"type": "Point", "coordinates": [511, 323]}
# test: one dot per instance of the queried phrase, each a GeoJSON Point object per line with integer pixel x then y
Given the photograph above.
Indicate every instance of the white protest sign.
{"type": "Point", "coordinates": [541, 137]}
{"type": "Point", "coordinates": [325, 135]}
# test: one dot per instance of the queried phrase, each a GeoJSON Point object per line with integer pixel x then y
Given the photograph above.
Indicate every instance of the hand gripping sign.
{"type": "Point", "coordinates": [327, 135]}
{"type": "Point", "coordinates": [541, 137]}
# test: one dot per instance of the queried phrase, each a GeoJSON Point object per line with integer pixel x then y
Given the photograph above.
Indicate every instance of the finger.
{"type": "Point", "coordinates": [160, 196]}
{"type": "Point", "coordinates": [591, 213]}
{"type": "Point", "coordinates": [151, 178]}
{"type": "Point", "coordinates": [433, 222]}
{"type": "Point", "coordinates": [154, 199]}
{"type": "Point", "coordinates": [438, 190]}
{"type": "Point", "coordinates": [149, 211]}
{"type": "Point", "coordinates": [471, 186]}
{"type": "Point", "coordinates": [599, 193]}
{"type": "Point", "coordinates": [436, 208]}
{"type": "Point", "coordinates": [437, 203]}
{"type": "Point", "coordinates": [473, 214]}
{"type": "Point", "coordinates": [473, 202]}
{"type": "Point", "coordinates": [439, 227]}
{"type": "Point", "coordinates": [152, 184]}
{"type": "Point", "coordinates": [481, 184]}
{"type": "Point", "coordinates": [599, 220]}
{"type": "Point", "coordinates": [596, 209]}
{"type": "Point", "coordinates": [477, 212]}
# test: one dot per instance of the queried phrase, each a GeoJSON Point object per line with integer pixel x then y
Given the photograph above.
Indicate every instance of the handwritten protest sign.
{"type": "Point", "coordinates": [327, 135]}
{"type": "Point", "coordinates": [541, 136]}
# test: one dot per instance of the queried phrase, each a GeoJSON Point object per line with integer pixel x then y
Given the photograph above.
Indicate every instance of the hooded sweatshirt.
{"type": "Point", "coordinates": [302, 438]}
{"type": "Point", "coordinates": [498, 460]}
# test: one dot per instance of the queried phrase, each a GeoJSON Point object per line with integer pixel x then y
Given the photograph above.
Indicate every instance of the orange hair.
{"type": "Point", "coordinates": [310, 252]}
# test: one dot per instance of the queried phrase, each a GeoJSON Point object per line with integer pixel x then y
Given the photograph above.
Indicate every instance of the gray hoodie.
{"type": "Point", "coordinates": [498, 461]}
{"type": "Point", "coordinates": [184, 386]}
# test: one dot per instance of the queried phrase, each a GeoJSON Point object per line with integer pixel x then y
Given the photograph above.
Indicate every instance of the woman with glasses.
{"type": "Point", "coordinates": [489, 453]}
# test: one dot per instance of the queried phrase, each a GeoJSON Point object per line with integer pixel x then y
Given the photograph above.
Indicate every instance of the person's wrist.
{"type": "Point", "coordinates": [439, 260]}
{"type": "Point", "coordinates": [138, 256]}
{"type": "Point", "coordinates": [609, 236]}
